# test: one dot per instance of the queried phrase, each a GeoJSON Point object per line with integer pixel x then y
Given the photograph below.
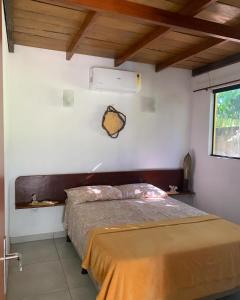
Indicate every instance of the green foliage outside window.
{"type": "Point", "coordinates": [226, 133]}
{"type": "Point", "coordinates": [228, 109]}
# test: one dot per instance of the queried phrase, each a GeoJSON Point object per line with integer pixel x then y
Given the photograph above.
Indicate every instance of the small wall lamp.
{"type": "Point", "coordinates": [68, 98]}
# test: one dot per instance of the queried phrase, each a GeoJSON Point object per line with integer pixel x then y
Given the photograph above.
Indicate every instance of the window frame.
{"type": "Point", "coordinates": [215, 92]}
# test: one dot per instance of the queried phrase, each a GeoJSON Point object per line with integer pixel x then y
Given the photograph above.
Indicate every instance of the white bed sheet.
{"type": "Point", "coordinates": [81, 218]}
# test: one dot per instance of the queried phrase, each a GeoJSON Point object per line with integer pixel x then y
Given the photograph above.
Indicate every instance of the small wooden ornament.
{"type": "Point", "coordinates": [187, 167]}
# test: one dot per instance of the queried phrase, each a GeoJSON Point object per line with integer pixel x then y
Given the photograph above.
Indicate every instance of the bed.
{"type": "Point", "coordinates": [154, 249]}
{"type": "Point", "coordinates": [81, 218]}
{"type": "Point", "coordinates": [144, 249]}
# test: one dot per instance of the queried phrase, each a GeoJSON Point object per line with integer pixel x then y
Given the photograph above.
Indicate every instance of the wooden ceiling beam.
{"type": "Point", "coordinates": [87, 24]}
{"type": "Point", "coordinates": [191, 9]}
{"type": "Point", "coordinates": [210, 42]}
{"type": "Point", "coordinates": [147, 39]}
{"type": "Point", "coordinates": [8, 11]}
{"type": "Point", "coordinates": [187, 53]}
{"type": "Point", "coordinates": [152, 15]}
{"type": "Point", "coordinates": [217, 65]}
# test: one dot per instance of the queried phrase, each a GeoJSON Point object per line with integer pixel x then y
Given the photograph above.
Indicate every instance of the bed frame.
{"type": "Point", "coordinates": [51, 187]}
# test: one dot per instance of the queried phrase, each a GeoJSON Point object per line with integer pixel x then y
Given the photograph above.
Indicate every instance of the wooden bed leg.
{"type": "Point", "coordinates": [68, 239]}
{"type": "Point", "coordinates": [84, 272]}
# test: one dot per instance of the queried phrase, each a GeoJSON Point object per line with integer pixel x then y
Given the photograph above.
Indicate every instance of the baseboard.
{"type": "Point", "coordinates": [37, 237]}
{"type": "Point", "coordinates": [59, 234]}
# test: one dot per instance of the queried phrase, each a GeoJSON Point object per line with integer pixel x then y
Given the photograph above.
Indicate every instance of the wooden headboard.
{"type": "Point", "coordinates": [51, 187]}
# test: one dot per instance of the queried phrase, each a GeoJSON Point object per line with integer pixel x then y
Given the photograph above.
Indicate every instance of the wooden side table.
{"type": "Point", "coordinates": [187, 197]}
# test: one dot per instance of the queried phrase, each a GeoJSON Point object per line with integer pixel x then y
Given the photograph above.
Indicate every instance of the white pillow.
{"type": "Point", "coordinates": [93, 193]}
{"type": "Point", "coordinates": [141, 190]}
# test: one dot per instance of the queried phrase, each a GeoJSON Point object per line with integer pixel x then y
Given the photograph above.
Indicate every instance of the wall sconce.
{"type": "Point", "coordinates": [148, 104]}
{"type": "Point", "coordinates": [68, 98]}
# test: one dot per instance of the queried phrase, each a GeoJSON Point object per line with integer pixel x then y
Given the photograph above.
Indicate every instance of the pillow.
{"type": "Point", "coordinates": [93, 193]}
{"type": "Point", "coordinates": [141, 190]}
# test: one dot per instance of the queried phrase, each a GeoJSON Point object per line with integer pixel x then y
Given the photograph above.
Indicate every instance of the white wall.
{"type": "Point", "coordinates": [216, 180]}
{"type": "Point", "coordinates": [43, 137]}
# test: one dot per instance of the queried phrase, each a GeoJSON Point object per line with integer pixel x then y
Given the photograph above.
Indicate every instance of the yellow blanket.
{"type": "Point", "coordinates": [179, 259]}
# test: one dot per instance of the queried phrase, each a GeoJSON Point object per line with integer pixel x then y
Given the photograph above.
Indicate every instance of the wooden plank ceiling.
{"type": "Point", "coordinates": [191, 34]}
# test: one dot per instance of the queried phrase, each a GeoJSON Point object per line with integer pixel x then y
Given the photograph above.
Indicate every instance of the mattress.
{"type": "Point", "coordinates": [80, 219]}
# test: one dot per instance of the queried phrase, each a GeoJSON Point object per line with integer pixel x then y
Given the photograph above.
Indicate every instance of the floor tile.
{"type": "Point", "coordinates": [36, 279]}
{"type": "Point", "coordinates": [83, 293]}
{"type": "Point", "coordinates": [62, 295]}
{"type": "Point", "coordinates": [72, 269]}
{"type": "Point", "coordinates": [35, 252]}
{"type": "Point", "coordinates": [65, 250]}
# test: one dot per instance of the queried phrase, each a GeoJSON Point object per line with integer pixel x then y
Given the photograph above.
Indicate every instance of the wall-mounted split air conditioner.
{"type": "Point", "coordinates": [103, 79]}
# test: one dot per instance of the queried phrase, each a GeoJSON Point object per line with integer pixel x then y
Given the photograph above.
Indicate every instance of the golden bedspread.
{"type": "Point", "coordinates": [179, 259]}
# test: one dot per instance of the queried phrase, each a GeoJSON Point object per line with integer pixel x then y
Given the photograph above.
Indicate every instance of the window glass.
{"type": "Point", "coordinates": [226, 127]}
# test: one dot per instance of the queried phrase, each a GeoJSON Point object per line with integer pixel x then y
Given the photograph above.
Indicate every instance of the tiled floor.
{"type": "Point", "coordinates": [51, 271]}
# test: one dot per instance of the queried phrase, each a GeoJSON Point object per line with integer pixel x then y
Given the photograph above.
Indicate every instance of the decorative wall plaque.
{"type": "Point", "coordinates": [113, 121]}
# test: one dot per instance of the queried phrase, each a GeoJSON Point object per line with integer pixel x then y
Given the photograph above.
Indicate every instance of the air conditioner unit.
{"type": "Point", "coordinates": [103, 79]}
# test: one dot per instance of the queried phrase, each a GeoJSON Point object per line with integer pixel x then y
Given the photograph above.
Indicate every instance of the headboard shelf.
{"type": "Point", "coordinates": [51, 187]}
{"type": "Point", "coordinates": [24, 205]}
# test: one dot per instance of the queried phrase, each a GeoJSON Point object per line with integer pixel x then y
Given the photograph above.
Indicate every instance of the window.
{"type": "Point", "coordinates": [226, 122]}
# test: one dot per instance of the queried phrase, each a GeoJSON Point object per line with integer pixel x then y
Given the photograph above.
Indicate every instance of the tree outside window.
{"type": "Point", "coordinates": [226, 129]}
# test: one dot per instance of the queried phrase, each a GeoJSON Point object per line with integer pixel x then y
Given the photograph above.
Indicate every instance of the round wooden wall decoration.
{"type": "Point", "coordinates": [113, 121]}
